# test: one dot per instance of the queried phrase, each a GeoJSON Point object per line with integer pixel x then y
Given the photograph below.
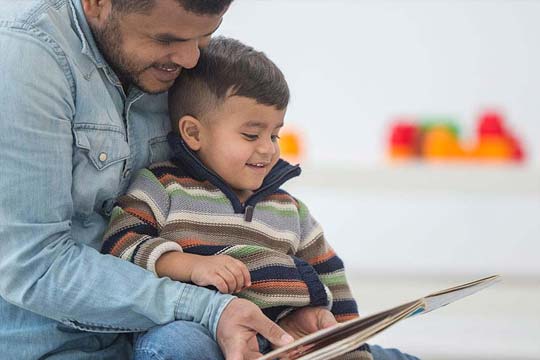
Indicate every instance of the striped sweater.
{"type": "Point", "coordinates": [180, 205]}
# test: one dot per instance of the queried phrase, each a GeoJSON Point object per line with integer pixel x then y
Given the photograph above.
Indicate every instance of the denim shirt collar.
{"type": "Point", "coordinates": [89, 46]}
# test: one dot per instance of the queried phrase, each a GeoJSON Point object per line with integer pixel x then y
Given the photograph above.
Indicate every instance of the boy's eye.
{"type": "Point", "coordinates": [275, 138]}
{"type": "Point", "coordinates": [250, 137]}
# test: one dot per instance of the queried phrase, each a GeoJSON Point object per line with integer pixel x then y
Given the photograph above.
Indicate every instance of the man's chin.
{"type": "Point", "coordinates": [153, 86]}
{"type": "Point", "coordinates": [154, 89]}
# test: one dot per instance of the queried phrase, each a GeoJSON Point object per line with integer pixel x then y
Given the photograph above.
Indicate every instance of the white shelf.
{"type": "Point", "coordinates": [428, 218]}
{"type": "Point", "coordinates": [481, 178]}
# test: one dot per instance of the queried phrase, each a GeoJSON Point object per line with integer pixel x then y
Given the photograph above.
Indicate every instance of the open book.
{"type": "Point", "coordinates": [347, 336]}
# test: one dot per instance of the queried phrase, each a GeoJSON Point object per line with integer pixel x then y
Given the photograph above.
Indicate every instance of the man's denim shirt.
{"type": "Point", "coordinates": [70, 140]}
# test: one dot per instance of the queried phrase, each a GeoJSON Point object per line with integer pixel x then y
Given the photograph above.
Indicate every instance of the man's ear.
{"type": "Point", "coordinates": [190, 130]}
{"type": "Point", "coordinates": [97, 10]}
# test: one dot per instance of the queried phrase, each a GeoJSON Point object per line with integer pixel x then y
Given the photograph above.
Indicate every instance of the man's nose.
{"type": "Point", "coordinates": [186, 54]}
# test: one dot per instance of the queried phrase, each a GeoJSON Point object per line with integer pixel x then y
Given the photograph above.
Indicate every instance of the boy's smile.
{"type": "Point", "coordinates": [239, 142]}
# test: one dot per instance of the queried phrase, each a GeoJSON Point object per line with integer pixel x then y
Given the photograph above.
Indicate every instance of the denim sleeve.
{"type": "Point", "coordinates": [43, 269]}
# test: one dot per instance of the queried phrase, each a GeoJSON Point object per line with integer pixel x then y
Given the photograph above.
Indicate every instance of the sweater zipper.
{"type": "Point", "coordinates": [249, 206]}
{"type": "Point", "coordinates": [253, 199]}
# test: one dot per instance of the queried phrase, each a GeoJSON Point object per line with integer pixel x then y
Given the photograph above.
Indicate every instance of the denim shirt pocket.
{"type": "Point", "coordinates": [101, 153]}
{"type": "Point", "coordinates": [105, 144]}
{"type": "Point", "coordinates": [159, 149]}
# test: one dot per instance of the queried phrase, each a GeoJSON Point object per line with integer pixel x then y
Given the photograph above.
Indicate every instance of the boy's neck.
{"type": "Point", "coordinates": [242, 195]}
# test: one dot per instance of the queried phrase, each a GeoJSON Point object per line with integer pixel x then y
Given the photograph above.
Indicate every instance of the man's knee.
{"type": "Point", "coordinates": [177, 340]}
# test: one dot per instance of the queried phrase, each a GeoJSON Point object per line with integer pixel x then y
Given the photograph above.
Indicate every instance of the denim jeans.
{"type": "Point", "coordinates": [190, 341]}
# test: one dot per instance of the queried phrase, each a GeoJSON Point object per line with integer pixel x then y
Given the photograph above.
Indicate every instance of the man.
{"type": "Point", "coordinates": [81, 110]}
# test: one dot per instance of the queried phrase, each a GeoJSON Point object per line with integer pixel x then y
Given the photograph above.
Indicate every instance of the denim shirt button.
{"type": "Point", "coordinates": [103, 157]}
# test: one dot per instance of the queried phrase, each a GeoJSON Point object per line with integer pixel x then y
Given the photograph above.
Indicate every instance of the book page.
{"type": "Point", "coordinates": [445, 297]}
{"type": "Point", "coordinates": [335, 338]}
{"type": "Point", "coordinates": [344, 337]}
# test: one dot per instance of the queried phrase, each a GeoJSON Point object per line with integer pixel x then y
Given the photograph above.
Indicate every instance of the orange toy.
{"type": "Point", "coordinates": [441, 143]}
{"type": "Point", "coordinates": [495, 141]}
{"type": "Point", "coordinates": [290, 145]}
{"type": "Point", "coordinates": [493, 147]}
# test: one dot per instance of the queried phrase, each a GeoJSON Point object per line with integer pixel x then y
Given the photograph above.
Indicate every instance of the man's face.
{"type": "Point", "coordinates": [149, 50]}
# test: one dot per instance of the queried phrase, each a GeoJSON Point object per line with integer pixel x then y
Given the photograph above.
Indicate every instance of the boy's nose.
{"type": "Point", "coordinates": [267, 147]}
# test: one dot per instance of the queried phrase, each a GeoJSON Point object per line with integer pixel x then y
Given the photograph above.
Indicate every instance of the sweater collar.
{"type": "Point", "coordinates": [278, 175]}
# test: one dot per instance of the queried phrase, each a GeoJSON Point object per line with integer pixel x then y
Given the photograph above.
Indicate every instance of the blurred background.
{"type": "Point", "coordinates": [417, 127]}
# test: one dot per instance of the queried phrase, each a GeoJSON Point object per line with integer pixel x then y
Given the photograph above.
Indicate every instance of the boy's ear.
{"type": "Point", "coordinates": [190, 130]}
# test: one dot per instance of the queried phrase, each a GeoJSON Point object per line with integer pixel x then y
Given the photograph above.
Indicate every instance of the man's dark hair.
{"type": "Point", "coordinates": [199, 7]}
{"type": "Point", "coordinates": [226, 68]}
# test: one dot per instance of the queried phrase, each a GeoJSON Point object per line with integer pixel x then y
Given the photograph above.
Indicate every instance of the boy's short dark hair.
{"type": "Point", "coordinates": [200, 7]}
{"type": "Point", "coordinates": [226, 68]}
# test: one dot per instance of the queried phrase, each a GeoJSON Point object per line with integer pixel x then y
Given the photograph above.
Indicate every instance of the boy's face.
{"type": "Point", "coordinates": [239, 142]}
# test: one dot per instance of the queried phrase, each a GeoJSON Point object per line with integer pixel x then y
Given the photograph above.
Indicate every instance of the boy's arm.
{"type": "Point", "coordinates": [134, 235]}
{"type": "Point", "coordinates": [136, 223]}
{"type": "Point", "coordinates": [318, 253]}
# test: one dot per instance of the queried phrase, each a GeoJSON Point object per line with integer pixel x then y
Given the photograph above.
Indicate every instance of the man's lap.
{"type": "Point", "coordinates": [177, 340]}
{"type": "Point", "coordinates": [188, 340]}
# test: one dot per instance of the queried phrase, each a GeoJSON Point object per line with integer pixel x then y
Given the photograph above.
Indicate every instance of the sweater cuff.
{"type": "Point", "coordinates": [164, 246]}
{"type": "Point", "coordinates": [330, 298]}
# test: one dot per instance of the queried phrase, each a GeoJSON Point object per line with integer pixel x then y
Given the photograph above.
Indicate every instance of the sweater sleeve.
{"type": "Point", "coordinates": [279, 282]}
{"type": "Point", "coordinates": [316, 251]}
{"type": "Point", "coordinates": [136, 222]}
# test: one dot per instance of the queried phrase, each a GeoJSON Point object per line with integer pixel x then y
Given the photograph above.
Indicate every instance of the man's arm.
{"type": "Point", "coordinates": [45, 270]}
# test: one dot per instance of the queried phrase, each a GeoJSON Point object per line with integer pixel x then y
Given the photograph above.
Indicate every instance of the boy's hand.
{"type": "Point", "coordinates": [226, 273]}
{"type": "Point", "coordinates": [307, 320]}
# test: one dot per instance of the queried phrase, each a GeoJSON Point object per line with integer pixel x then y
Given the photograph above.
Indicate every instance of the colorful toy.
{"type": "Point", "coordinates": [441, 143]}
{"type": "Point", "coordinates": [437, 139]}
{"type": "Point", "coordinates": [404, 140]}
{"type": "Point", "coordinates": [290, 145]}
{"type": "Point", "coordinates": [494, 141]}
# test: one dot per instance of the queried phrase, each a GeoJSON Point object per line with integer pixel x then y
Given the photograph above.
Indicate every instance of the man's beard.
{"type": "Point", "coordinates": [109, 42]}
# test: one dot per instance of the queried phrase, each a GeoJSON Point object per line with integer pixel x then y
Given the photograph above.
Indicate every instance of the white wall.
{"type": "Point", "coordinates": [353, 65]}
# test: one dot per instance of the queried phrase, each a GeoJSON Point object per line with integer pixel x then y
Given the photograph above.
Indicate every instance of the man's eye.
{"type": "Point", "coordinates": [275, 138]}
{"type": "Point", "coordinates": [250, 137]}
{"type": "Point", "coordinates": [164, 42]}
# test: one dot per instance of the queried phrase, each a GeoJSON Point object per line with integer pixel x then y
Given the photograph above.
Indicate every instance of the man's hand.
{"type": "Point", "coordinates": [307, 320]}
{"type": "Point", "coordinates": [226, 273]}
{"type": "Point", "coordinates": [238, 327]}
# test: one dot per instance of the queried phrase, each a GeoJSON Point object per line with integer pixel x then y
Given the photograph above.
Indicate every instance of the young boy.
{"type": "Point", "coordinates": [215, 215]}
